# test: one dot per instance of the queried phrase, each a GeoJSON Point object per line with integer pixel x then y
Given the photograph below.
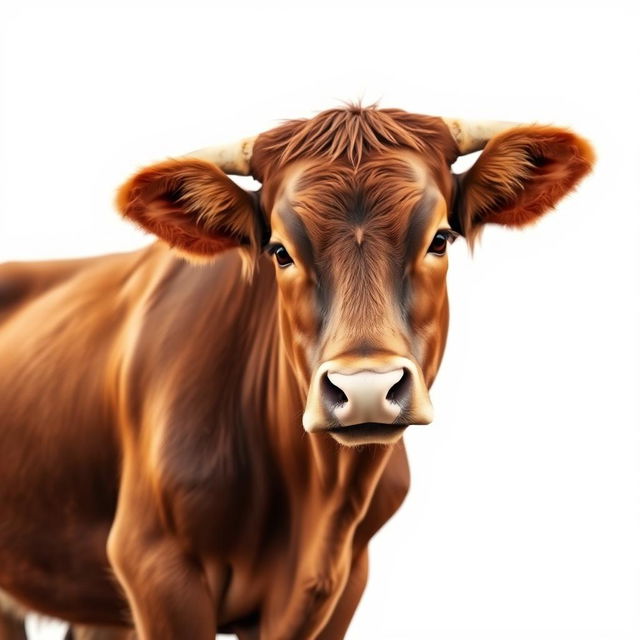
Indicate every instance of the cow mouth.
{"type": "Point", "coordinates": [367, 433]}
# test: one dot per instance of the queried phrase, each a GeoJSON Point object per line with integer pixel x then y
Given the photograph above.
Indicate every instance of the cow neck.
{"type": "Point", "coordinates": [316, 461]}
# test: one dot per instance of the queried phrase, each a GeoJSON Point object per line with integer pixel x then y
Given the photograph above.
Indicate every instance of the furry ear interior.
{"type": "Point", "coordinates": [521, 174]}
{"type": "Point", "coordinates": [191, 205]}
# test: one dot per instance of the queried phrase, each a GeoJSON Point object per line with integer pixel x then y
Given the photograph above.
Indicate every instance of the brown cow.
{"type": "Point", "coordinates": [177, 439]}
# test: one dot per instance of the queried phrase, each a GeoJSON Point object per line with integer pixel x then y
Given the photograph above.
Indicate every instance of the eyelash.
{"type": "Point", "coordinates": [272, 247]}
{"type": "Point", "coordinates": [452, 235]}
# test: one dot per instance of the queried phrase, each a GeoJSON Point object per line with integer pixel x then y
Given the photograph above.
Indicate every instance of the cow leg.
{"type": "Point", "coordinates": [340, 619]}
{"type": "Point", "coordinates": [167, 590]}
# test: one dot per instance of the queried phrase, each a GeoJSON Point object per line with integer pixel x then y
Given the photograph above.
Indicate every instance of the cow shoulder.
{"type": "Point", "coordinates": [193, 388]}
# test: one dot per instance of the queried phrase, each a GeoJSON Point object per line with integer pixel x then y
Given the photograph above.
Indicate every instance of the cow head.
{"type": "Point", "coordinates": [357, 209]}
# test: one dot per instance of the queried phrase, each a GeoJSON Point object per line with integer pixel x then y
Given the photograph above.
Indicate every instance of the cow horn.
{"type": "Point", "coordinates": [473, 135]}
{"type": "Point", "coordinates": [234, 158]}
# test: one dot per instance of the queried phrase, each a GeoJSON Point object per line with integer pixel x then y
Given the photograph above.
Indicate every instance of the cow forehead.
{"type": "Point", "coordinates": [400, 165]}
{"type": "Point", "coordinates": [382, 195]}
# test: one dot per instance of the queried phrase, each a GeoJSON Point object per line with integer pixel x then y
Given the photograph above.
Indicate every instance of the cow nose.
{"type": "Point", "coordinates": [366, 396]}
{"type": "Point", "coordinates": [368, 393]}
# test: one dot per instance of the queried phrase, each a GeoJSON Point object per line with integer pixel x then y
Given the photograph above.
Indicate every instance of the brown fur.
{"type": "Point", "coordinates": [350, 134]}
{"type": "Point", "coordinates": [193, 206]}
{"type": "Point", "coordinates": [522, 174]}
{"type": "Point", "coordinates": [153, 467]}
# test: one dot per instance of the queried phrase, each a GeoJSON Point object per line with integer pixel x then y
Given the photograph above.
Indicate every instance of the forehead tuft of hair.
{"type": "Point", "coordinates": [350, 133]}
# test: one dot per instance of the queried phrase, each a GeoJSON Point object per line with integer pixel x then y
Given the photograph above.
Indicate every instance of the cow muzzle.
{"type": "Point", "coordinates": [366, 401]}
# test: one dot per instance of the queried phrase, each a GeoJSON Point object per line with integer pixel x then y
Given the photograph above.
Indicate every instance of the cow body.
{"type": "Point", "coordinates": [190, 448]}
{"type": "Point", "coordinates": [227, 410]}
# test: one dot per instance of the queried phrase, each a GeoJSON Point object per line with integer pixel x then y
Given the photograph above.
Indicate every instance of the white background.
{"type": "Point", "coordinates": [523, 520]}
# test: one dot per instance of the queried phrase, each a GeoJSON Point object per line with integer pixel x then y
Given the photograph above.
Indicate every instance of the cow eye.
{"type": "Point", "coordinates": [439, 243]}
{"type": "Point", "coordinates": [282, 256]}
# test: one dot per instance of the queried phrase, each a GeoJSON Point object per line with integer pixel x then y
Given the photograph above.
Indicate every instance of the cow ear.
{"type": "Point", "coordinates": [193, 206]}
{"type": "Point", "coordinates": [520, 175]}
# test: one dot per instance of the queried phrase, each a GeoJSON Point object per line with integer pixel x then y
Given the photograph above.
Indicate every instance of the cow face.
{"type": "Point", "coordinates": [361, 259]}
{"type": "Point", "coordinates": [357, 210]}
